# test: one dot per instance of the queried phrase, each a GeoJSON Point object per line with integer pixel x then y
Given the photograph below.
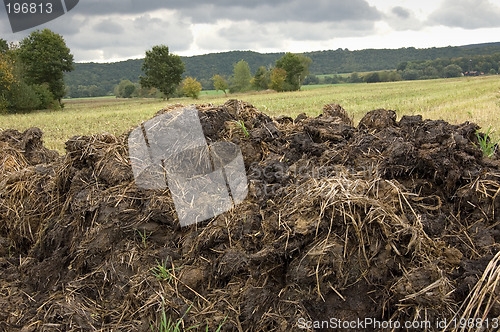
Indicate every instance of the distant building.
{"type": "Point", "coordinates": [473, 73]}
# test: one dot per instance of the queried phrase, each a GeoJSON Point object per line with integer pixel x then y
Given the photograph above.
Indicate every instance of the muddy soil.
{"type": "Point", "coordinates": [392, 220]}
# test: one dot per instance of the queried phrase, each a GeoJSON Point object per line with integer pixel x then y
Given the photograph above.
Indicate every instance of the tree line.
{"type": "Point", "coordinates": [419, 70]}
{"type": "Point", "coordinates": [163, 74]}
{"type": "Point", "coordinates": [99, 79]}
{"type": "Point", "coordinates": [450, 67]}
{"type": "Point", "coordinates": [32, 72]}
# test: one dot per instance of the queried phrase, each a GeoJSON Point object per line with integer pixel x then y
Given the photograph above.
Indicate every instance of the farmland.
{"type": "Point", "coordinates": [376, 218]}
{"type": "Point", "coordinates": [454, 100]}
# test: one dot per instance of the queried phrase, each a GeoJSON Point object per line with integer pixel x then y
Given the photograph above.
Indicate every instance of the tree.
{"type": "Point", "coordinates": [371, 77]}
{"type": "Point", "coordinates": [46, 58]}
{"type": "Point", "coordinates": [431, 72]}
{"type": "Point", "coordinates": [311, 80]}
{"type": "Point", "coordinates": [296, 67]}
{"type": "Point", "coordinates": [125, 89]}
{"type": "Point", "coordinates": [262, 79]}
{"type": "Point", "coordinates": [7, 79]}
{"type": "Point", "coordinates": [220, 83]}
{"type": "Point", "coordinates": [306, 63]}
{"type": "Point", "coordinates": [355, 78]}
{"type": "Point", "coordinates": [241, 77]}
{"type": "Point", "coordinates": [410, 74]}
{"type": "Point", "coordinates": [278, 77]}
{"type": "Point", "coordinates": [191, 87]}
{"type": "Point", "coordinates": [452, 71]}
{"type": "Point", "coordinates": [4, 46]}
{"type": "Point", "coordinates": [162, 70]}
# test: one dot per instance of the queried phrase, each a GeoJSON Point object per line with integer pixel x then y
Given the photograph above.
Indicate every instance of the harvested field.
{"type": "Point", "coordinates": [393, 220]}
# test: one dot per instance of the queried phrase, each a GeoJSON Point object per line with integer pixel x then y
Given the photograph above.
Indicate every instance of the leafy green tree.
{"type": "Point", "coordinates": [410, 74]}
{"type": "Point", "coordinates": [371, 77]}
{"type": "Point", "coordinates": [355, 78]}
{"type": "Point", "coordinates": [191, 87]}
{"type": "Point", "coordinates": [4, 46]}
{"type": "Point", "coordinates": [45, 58]}
{"type": "Point", "coordinates": [311, 80]}
{"type": "Point", "coordinates": [296, 67]}
{"type": "Point", "coordinates": [7, 79]}
{"type": "Point", "coordinates": [278, 77]}
{"type": "Point", "coordinates": [452, 71]}
{"type": "Point", "coordinates": [241, 77]}
{"type": "Point", "coordinates": [262, 79]}
{"type": "Point", "coordinates": [23, 98]}
{"type": "Point", "coordinates": [431, 72]}
{"type": "Point", "coordinates": [306, 63]}
{"type": "Point", "coordinates": [162, 70]}
{"type": "Point", "coordinates": [125, 89]}
{"type": "Point", "coordinates": [220, 83]}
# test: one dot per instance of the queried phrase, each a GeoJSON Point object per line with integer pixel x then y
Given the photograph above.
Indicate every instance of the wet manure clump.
{"type": "Point", "coordinates": [391, 221]}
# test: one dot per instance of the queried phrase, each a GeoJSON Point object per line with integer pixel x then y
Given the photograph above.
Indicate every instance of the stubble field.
{"type": "Point", "coordinates": [475, 99]}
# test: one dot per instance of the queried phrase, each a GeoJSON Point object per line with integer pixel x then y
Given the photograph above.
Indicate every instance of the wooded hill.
{"type": "Point", "coordinates": [99, 79]}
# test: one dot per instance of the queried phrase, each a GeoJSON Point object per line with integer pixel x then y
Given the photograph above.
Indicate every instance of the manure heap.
{"type": "Point", "coordinates": [390, 220]}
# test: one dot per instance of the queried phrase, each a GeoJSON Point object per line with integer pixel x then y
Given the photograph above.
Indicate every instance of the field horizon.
{"type": "Point", "coordinates": [474, 99]}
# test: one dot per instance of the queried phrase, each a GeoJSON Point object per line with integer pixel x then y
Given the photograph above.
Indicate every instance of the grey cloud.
{"type": "Point", "coordinates": [295, 10]}
{"type": "Point", "coordinates": [467, 14]}
{"type": "Point", "coordinates": [243, 35]}
{"type": "Point", "coordinates": [108, 26]}
{"type": "Point", "coordinates": [204, 11]}
{"type": "Point", "coordinates": [129, 37]}
{"type": "Point", "coordinates": [326, 31]}
{"type": "Point", "coordinates": [402, 19]}
{"type": "Point", "coordinates": [247, 35]}
{"type": "Point", "coordinates": [400, 12]}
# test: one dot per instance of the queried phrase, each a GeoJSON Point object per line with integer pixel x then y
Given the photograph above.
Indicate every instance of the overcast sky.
{"type": "Point", "coordinates": [111, 30]}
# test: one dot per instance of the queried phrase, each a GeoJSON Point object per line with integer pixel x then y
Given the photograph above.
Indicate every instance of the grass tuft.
{"type": "Point", "coordinates": [486, 143]}
{"type": "Point", "coordinates": [161, 272]}
{"type": "Point", "coordinates": [241, 124]}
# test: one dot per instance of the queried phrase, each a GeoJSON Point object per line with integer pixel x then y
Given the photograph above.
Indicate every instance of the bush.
{"type": "Point", "coordinates": [354, 78]}
{"type": "Point", "coordinates": [191, 87]}
{"type": "Point", "coordinates": [452, 71]}
{"type": "Point", "coordinates": [125, 89]}
{"type": "Point", "coordinates": [23, 98]}
{"type": "Point", "coordinates": [411, 74]}
{"type": "Point", "coordinates": [278, 77]}
{"type": "Point", "coordinates": [371, 78]}
{"type": "Point", "coordinates": [44, 96]}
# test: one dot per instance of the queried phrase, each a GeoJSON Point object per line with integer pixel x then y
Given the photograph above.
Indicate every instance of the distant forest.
{"type": "Point", "coordinates": [100, 79]}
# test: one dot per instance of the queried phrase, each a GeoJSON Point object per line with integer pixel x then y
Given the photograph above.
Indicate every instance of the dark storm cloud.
{"type": "Point", "coordinates": [97, 29]}
{"type": "Point", "coordinates": [467, 14]}
{"type": "Point", "coordinates": [204, 11]}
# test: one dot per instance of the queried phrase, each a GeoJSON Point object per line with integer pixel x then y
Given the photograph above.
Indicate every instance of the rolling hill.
{"type": "Point", "coordinates": [99, 79]}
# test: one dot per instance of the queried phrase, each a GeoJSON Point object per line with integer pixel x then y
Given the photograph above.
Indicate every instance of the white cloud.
{"type": "Point", "coordinates": [467, 14]}
{"type": "Point", "coordinates": [111, 30]}
{"type": "Point", "coordinates": [400, 19]}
